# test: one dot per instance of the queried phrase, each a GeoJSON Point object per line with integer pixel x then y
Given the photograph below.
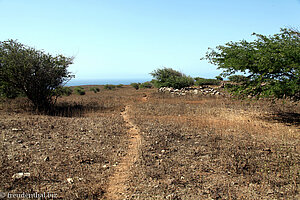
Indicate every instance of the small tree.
{"type": "Point", "coordinates": [32, 72]}
{"type": "Point", "coordinates": [168, 77]}
{"type": "Point", "coordinates": [272, 62]}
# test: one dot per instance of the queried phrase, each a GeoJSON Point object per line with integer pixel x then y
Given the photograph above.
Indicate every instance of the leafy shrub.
{"type": "Point", "coordinates": [204, 81]}
{"type": "Point", "coordinates": [135, 85]}
{"type": "Point", "coordinates": [79, 90]}
{"type": "Point", "coordinates": [120, 86]}
{"type": "Point", "coordinates": [146, 85]}
{"type": "Point", "coordinates": [67, 91]}
{"type": "Point", "coordinates": [184, 81]}
{"type": "Point", "coordinates": [238, 78]}
{"type": "Point", "coordinates": [95, 89]}
{"type": "Point", "coordinates": [168, 77]}
{"type": "Point", "coordinates": [109, 87]}
{"type": "Point", "coordinates": [63, 91]}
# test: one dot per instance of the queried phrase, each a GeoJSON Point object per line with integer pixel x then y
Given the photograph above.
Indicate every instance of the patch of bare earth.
{"type": "Point", "coordinates": [118, 183]}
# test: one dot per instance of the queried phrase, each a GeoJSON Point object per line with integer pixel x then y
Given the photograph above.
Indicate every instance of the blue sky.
{"type": "Point", "coordinates": [113, 39]}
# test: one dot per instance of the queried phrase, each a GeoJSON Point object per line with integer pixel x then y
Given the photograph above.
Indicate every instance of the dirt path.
{"type": "Point", "coordinates": [117, 185]}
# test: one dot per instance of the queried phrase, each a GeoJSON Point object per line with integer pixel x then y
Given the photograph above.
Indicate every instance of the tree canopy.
{"type": "Point", "coordinates": [168, 77]}
{"type": "Point", "coordinates": [272, 64]}
{"type": "Point", "coordinates": [32, 72]}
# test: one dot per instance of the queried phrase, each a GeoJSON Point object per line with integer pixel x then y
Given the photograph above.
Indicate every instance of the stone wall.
{"type": "Point", "coordinates": [191, 90]}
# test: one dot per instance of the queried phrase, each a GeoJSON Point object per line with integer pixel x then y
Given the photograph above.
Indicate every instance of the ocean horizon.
{"type": "Point", "coordinates": [78, 82]}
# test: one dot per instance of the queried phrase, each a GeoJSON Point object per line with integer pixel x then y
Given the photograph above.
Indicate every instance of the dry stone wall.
{"type": "Point", "coordinates": [191, 90]}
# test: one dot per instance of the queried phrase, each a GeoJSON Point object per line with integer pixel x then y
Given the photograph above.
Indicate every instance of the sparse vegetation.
{"type": "Point", "coordinates": [95, 89]}
{"type": "Point", "coordinates": [193, 147]}
{"type": "Point", "coordinates": [79, 90]}
{"type": "Point", "coordinates": [204, 81]}
{"type": "Point", "coordinates": [142, 85]}
{"type": "Point", "coordinates": [63, 91]}
{"type": "Point", "coordinates": [201, 148]}
{"type": "Point", "coordinates": [109, 87]}
{"type": "Point", "coordinates": [135, 85]}
{"type": "Point", "coordinates": [146, 85]}
{"type": "Point", "coordinates": [189, 147]}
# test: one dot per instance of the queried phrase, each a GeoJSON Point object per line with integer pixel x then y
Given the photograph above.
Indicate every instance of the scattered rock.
{"type": "Point", "coordinates": [105, 166]}
{"type": "Point", "coordinates": [270, 191]}
{"type": "Point", "coordinates": [21, 175]}
{"type": "Point", "coordinates": [46, 158]}
{"type": "Point", "coordinates": [70, 180]}
{"type": "Point", "coordinates": [16, 129]}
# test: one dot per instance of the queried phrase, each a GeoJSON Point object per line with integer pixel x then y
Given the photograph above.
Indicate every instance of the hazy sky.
{"type": "Point", "coordinates": [130, 38]}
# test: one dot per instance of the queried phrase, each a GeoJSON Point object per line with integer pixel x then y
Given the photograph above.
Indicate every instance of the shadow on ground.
{"type": "Point", "coordinates": [291, 118]}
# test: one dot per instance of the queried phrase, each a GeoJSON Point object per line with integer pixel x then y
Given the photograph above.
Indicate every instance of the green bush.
{"type": "Point", "coordinates": [63, 91]}
{"type": "Point", "coordinates": [146, 85]}
{"type": "Point", "coordinates": [79, 90]}
{"type": "Point", "coordinates": [181, 82]}
{"type": "Point", "coordinates": [204, 81]}
{"type": "Point", "coordinates": [95, 89]}
{"type": "Point", "coordinates": [109, 87]}
{"type": "Point", "coordinates": [135, 85]}
{"type": "Point", "coordinates": [120, 86]}
{"type": "Point", "coordinates": [168, 77]}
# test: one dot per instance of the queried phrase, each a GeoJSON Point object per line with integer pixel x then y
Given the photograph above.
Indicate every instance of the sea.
{"type": "Point", "coordinates": [77, 82]}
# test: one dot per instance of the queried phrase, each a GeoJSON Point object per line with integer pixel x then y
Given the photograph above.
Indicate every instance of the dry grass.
{"type": "Point", "coordinates": [212, 148]}
{"type": "Point", "coordinates": [82, 141]}
{"type": "Point", "coordinates": [192, 147]}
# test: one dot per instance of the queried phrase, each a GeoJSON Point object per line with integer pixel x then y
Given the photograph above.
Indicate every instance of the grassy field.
{"type": "Point", "coordinates": [192, 147]}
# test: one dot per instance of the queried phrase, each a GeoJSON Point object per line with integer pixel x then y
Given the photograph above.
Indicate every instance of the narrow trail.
{"type": "Point", "coordinates": [117, 185]}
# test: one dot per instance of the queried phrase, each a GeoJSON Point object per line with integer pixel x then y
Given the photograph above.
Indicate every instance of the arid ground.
{"type": "Point", "coordinates": [141, 144]}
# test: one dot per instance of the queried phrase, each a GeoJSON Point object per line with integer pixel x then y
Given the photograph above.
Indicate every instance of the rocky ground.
{"type": "Point", "coordinates": [212, 149]}
{"type": "Point", "coordinates": [191, 147]}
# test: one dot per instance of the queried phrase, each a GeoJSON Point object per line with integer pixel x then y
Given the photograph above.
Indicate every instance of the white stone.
{"type": "Point", "coordinates": [70, 180]}
{"type": "Point", "coordinates": [20, 175]}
